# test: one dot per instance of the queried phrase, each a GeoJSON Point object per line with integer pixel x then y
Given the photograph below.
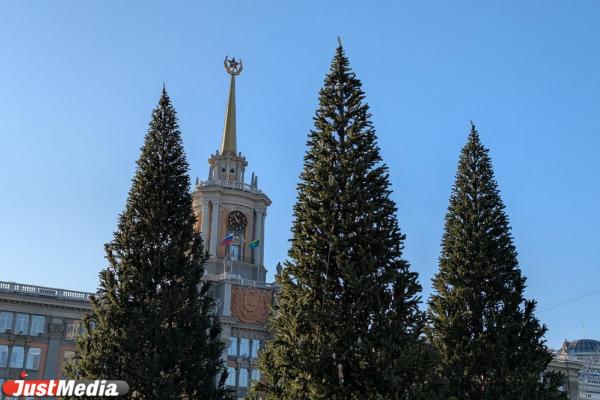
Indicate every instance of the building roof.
{"type": "Point", "coordinates": [581, 346]}
{"type": "Point", "coordinates": [42, 291]}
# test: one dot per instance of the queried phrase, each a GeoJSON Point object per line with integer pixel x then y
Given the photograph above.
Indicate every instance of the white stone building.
{"type": "Point", "coordinates": [579, 361]}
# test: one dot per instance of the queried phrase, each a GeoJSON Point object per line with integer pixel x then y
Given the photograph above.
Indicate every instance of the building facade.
{"type": "Point", "coordinates": [579, 361]}
{"type": "Point", "coordinates": [38, 329]}
{"type": "Point", "coordinates": [39, 325]}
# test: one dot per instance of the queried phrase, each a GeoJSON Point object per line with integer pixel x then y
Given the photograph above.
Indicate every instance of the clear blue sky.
{"type": "Point", "coordinates": [79, 81]}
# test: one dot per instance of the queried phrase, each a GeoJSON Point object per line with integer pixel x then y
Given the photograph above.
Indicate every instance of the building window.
{"type": "Point", "coordinates": [38, 323]}
{"type": "Point", "coordinates": [255, 348]}
{"type": "Point", "coordinates": [34, 355]}
{"type": "Point", "coordinates": [244, 347]}
{"type": "Point", "coordinates": [236, 252]}
{"type": "Point", "coordinates": [255, 375]}
{"type": "Point", "coordinates": [68, 359]}
{"type": "Point", "coordinates": [22, 324]}
{"type": "Point", "coordinates": [230, 376]}
{"type": "Point", "coordinates": [243, 381]}
{"type": "Point", "coordinates": [6, 320]}
{"type": "Point", "coordinates": [16, 357]}
{"type": "Point", "coordinates": [3, 355]}
{"type": "Point", "coordinates": [233, 346]}
{"type": "Point", "coordinates": [73, 329]}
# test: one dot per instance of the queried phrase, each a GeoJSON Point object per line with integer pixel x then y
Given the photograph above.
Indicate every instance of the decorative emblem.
{"type": "Point", "coordinates": [233, 67]}
{"type": "Point", "coordinates": [56, 329]}
{"type": "Point", "coordinates": [250, 305]}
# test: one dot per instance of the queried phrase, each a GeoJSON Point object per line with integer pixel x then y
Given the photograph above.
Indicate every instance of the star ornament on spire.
{"type": "Point", "coordinates": [233, 67]}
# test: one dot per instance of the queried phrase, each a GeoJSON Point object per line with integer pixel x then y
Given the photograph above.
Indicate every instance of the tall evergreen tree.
{"type": "Point", "coordinates": [490, 342]}
{"type": "Point", "coordinates": [347, 323]}
{"type": "Point", "coordinates": [152, 322]}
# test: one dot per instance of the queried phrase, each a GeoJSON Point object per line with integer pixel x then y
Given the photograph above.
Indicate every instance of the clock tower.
{"type": "Point", "coordinates": [231, 219]}
{"type": "Point", "coordinates": [229, 208]}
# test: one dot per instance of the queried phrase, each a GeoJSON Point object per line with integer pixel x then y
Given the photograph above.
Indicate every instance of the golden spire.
{"type": "Point", "coordinates": [229, 141]}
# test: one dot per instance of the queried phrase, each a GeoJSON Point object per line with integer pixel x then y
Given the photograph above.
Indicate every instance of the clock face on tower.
{"type": "Point", "coordinates": [237, 221]}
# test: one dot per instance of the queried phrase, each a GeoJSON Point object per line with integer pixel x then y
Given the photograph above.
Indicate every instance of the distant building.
{"type": "Point", "coordinates": [38, 329]}
{"type": "Point", "coordinates": [38, 325]}
{"type": "Point", "coordinates": [579, 361]}
{"type": "Point", "coordinates": [570, 369]}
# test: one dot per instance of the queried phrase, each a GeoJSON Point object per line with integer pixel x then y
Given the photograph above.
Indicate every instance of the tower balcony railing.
{"type": "Point", "coordinates": [244, 259]}
{"type": "Point", "coordinates": [230, 185]}
{"type": "Point", "coordinates": [238, 280]}
{"type": "Point", "coordinates": [35, 290]}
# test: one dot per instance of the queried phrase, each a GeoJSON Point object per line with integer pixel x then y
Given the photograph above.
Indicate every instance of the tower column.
{"type": "Point", "coordinates": [260, 230]}
{"type": "Point", "coordinates": [205, 219]}
{"type": "Point", "coordinates": [262, 242]}
{"type": "Point", "coordinates": [214, 230]}
{"type": "Point", "coordinates": [255, 235]}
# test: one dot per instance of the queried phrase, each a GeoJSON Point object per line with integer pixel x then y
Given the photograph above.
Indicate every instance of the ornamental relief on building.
{"type": "Point", "coordinates": [198, 222]}
{"type": "Point", "coordinates": [250, 305]}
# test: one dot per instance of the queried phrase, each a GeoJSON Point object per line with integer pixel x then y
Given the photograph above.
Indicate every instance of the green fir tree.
{"type": "Point", "coordinates": [152, 322]}
{"type": "Point", "coordinates": [347, 323]}
{"type": "Point", "coordinates": [490, 342]}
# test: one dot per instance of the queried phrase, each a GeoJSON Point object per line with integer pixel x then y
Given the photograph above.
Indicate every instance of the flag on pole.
{"type": "Point", "coordinates": [254, 244]}
{"type": "Point", "coordinates": [227, 239]}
